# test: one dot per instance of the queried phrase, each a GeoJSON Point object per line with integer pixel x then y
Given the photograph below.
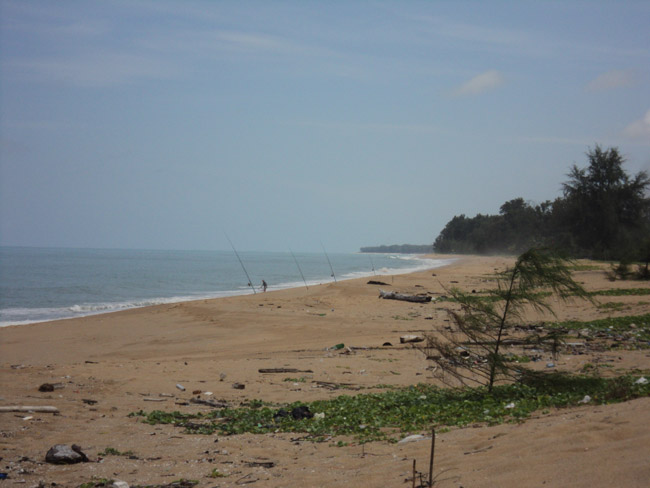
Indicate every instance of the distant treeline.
{"type": "Point", "coordinates": [400, 248]}
{"type": "Point", "coordinates": [604, 213]}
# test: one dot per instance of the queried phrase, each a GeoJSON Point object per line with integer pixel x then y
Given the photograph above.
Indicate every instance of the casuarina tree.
{"type": "Point", "coordinates": [607, 209]}
{"type": "Point", "coordinates": [473, 351]}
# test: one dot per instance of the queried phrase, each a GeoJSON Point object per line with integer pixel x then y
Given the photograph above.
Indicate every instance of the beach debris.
{"type": "Point", "coordinates": [26, 408]}
{"type": "Point", "coordinates": [476, 451]}
{"type": "Point", "coordinates": [297, 413]}
{"type": "Point", "coordinates": [222, 376]}
{"type": "Point", "coordinates": [586, 399]}
{"type": "Point", "coordinates": [280, 414]}
{"type": "Point", "coordinates": [196, 392]}
{"type": "Point", "coordinates": [550, 365]}
{"type": "Point", "coordinates": [510, 405]}
{"type": "Point", "coordinates": [182, 483]}
{"type": "Point", "coordinates": [180, 387]}
{"type": "Point", "coordinates": [387, 344]}
{"type": "Point", "coordinates": [337, 347]}
{"type": "Point", "coordinates": [260, 464]}
{"type": "Point", "coordinates": [641, 381]}
{"type": "Point", "coordinates": [47, 387]}
{"type": "Point", "coordinates": [319, 416]}
{"type": "Point", "coordinates": [412, 438]}
{"type": "Point", "coordinates": [284, 370]}
{"type": "Point", "coordinates": [88, 401]}
{"type": "Point", "coordinates": [64, 454]}
{"type": "Point", "coordinates": [167, 395]}
{"type": "Point", "coordinates": [119, 484]}
{"type": "Point", "coordinates": [335, 386]}
{"type": "Point", "coordinates": [209, 402]}
{"type": "Point", "coordinates": [301, 412]}
{"type": "Point", "coordinates": [375, 282]}
{"type": "Point", "coordinates": [407, 339]}
{"type": "Point", "coordinates": [149, 399]}
{"type": "Point", "coordinates": [391, 295]}
{"type": "Point", "coordinates": [238, 386]}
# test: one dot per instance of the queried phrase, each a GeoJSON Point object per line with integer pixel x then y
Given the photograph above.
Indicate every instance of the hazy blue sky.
{"type": "Point", "coordinates": [162, 124]}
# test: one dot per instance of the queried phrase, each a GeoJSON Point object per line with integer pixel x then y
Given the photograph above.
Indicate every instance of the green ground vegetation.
{"type": "Point", "coordinates": [111, 451]}
{"type": "Point", "coordinates": [637, 325]}
{"type": "Point", "coordinates": [392, 414]}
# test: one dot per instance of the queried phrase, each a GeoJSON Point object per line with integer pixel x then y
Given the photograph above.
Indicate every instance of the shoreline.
{"type": "Point", "coordinates": [111, 365]}
{"type": "Point", "coordinates": [102, 308]}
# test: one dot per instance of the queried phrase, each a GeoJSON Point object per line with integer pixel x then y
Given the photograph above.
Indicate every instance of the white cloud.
{"type": "Point", "coordinates": [610, 80]}
{"type": "Point", "coordinates": [480, 84]}
{"type": "Point", "coordinates": [639, 129]}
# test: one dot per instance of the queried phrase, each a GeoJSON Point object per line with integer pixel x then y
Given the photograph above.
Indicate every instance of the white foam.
{"type": "Point", "coordinates": [38, 315]}
{"type": "Point", "coordinates": [84, 310]}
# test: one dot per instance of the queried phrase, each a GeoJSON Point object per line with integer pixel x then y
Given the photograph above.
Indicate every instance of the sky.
{"type": "Point", "coordinates": [301, 125]}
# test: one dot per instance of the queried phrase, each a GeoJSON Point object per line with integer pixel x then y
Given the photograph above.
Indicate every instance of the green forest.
{"type": "Point", "coordinates": [603, 213]}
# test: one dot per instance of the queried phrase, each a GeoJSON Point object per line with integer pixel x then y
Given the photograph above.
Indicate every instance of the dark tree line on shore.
{"type": "Point", "coordinates": [604, 213]}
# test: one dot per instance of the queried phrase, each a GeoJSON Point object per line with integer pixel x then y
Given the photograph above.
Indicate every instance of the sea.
{"type": "Point", "coordinates": [44, 284]}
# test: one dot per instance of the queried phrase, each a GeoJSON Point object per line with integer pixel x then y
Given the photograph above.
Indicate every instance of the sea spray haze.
{"type": "Point", "coordinates": [40, 284]}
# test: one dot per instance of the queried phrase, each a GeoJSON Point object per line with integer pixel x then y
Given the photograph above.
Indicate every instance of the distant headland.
{"type": "Point", "coordinates": [400, 248]}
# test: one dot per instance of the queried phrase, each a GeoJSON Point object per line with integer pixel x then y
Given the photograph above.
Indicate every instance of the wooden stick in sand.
{"type": "Point", "coordinates": [433, 447]}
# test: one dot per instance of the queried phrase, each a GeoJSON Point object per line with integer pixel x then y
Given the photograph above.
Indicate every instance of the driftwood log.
{"type": "Point", "coordinates": [409, 339]}
{"type": "Point", "coordinates": [391, 295]}
{"type": "Point", "coordinates": [25, 408]}
{"type": "Point", "coordinates": [335, 386]}
{"type": "Point", "coordinates": [284, 370]}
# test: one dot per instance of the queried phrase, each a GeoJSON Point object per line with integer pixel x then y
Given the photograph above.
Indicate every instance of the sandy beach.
{"type": "Point", "coordinates": [111, 365]}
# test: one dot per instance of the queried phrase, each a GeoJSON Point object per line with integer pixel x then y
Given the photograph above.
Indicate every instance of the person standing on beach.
{"type": "Point", "coordinates": [264, 285]}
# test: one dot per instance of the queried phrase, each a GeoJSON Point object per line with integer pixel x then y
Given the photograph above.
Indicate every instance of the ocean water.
{"type": "Point", "coordinates": [42, 284]}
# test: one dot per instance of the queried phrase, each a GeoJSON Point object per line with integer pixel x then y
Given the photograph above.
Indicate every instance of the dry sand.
{"type": "Point", "coordinates": [119, 359]}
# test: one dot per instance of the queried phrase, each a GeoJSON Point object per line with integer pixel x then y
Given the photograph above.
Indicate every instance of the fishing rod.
{"type": "Point", "coordinates": [303, 276]}
{"type": "Point", "coordinates": [372, 264]}
{"type": "Point", "coordinates": [328, 260]}
{"type": "Point", "coordinates": [250, 283]}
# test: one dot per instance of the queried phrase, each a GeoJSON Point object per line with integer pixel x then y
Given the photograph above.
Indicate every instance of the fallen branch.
{"type": "Point", "coordinates": [335, 386]}
{"type": "Point", "coordinates": [260, 464]}
{"type": "Point", "coordinates": [391, 295]}
{"type": "Point", "coordinates": [24, 408]}
{"type": "Point", "coordinates": [284, 370]}
{"type": "Point", "coordinates": [478, 450]}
